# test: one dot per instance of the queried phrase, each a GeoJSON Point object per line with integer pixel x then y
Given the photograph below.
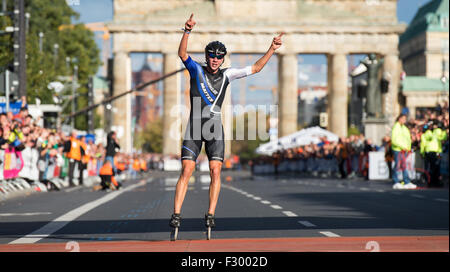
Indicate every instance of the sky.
{"type": "Point", "coordinates": [312, 68]}
{"type": "Point", "coordinates": [102, 10]}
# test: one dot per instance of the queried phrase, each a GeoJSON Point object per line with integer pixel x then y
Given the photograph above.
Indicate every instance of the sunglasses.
{"type": "Point", "coordinates": [212, 55]}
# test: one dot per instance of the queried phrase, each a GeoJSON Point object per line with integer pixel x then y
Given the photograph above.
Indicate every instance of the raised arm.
{"type": "Point", "coordinates": [276, 43]}
{"type": "Point", "coordinates": [182, 49]}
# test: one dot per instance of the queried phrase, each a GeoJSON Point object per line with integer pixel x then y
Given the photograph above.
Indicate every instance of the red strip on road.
{"type": "Point", "coordinates": [319, 244]}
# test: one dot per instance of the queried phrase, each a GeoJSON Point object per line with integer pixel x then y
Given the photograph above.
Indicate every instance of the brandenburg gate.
{"type": "Point", "coordinates": [335, 28]}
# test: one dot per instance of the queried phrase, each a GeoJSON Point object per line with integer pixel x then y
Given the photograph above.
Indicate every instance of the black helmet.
{"type": "Point", "coordinates": [216, 48]}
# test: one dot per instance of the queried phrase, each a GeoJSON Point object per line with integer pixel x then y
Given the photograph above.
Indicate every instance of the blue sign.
{"type": "Point", "coordinates": [13, 107]}
{"type": "Point", "coordinates": [89, 137]}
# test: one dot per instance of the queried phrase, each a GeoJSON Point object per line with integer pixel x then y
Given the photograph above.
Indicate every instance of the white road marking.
{"type": "Point", "coordinates": [441, 199]}
{"type": "Point", "coordinates": [169, 189]}
{"type": "Point", "coordinates": [364, 189]}
{"type": "Point", "coordinates": [307, 224]}
{"type": "Point", "coordinates": [417, 196]}
{"type": "Point", "coordinates": [256, 198]}
{"type": "Point", "coordinates": [24, 214]}
{"type": "Point", "coordinates": [205, 188]}
{"type": "Point", "coordinates": [205, 179]}
{"type": "Point", "coordinates": [290, 214]}
{"type": "Point", "coordinates": [65, 219]}
{"type": "Point", "coordinates": [276, 207]}
{"type": "Point", "coordinates": [266, 202]}
{"type": "Point", "coordinates": [329, 234]}
{"type": "Point", "coordinates": [72, 189]}
{"type": "Point", "coordinates": [249, 195]}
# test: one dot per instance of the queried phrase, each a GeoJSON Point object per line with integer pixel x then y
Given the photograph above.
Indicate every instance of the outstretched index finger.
{"type": "Point", "coordinates": [192, 15]}
{"type": "Point", "coordinates": [281, 34]}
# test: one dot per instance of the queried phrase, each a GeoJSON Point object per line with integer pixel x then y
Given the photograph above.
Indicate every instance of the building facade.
{"type": "Point", "coordinates": [335, 28]}
{"type": "Point", "coordinates": [424, 51]}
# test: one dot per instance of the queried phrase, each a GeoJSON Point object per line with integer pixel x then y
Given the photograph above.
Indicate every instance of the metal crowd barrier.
{"type": "Point", "coordinates": [25, 170]}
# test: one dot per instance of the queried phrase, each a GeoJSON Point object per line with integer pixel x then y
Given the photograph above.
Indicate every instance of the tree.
{"type": "Point", "coordinates": [73, 42]}
{"type": "Point", "coordinates": [246, 148]}
{"type": "Point", "coordinates": [150, 138]}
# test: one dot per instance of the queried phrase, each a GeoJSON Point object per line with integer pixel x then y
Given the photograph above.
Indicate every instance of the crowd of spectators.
{"type": "Point", "coordinates": [348, 157]}
{"type": "Point", "coordinates": [37, 154]}
{"type": "Point", "coordinates": [34, 153]}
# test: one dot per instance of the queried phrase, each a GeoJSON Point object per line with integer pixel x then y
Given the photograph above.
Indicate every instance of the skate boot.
{"type": "Point", "coordinates": [209, 223]}
{"type": "Point", "coordinates": [175, 223]}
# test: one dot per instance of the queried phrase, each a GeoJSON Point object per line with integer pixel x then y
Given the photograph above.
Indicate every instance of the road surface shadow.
{"type": "Point", "coordinates": [88, 227]}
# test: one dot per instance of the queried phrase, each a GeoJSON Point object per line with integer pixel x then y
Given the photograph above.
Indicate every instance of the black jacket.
{"type": "Point", "coordinates": [111, 146]}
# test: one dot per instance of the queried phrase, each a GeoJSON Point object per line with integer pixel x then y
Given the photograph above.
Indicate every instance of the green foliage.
{"type": "Point", "coordinates": [76, 43]}
{"type": "Point", "coordinates": [6, 41]}
{"type": "Point", "coordinates": [246, 148]}
{"type": "Point", "coordinates": [352, 130]}
{"type": "Point", "coordinates": [151, 137]}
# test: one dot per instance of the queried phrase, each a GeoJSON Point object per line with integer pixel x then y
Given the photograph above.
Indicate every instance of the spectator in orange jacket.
{"type": "Point", "coordinates": [107, 176]}
{"type": "Point", "coordinates": [143, 165]}
{"type": "Point", "coordinates": [75, 153]}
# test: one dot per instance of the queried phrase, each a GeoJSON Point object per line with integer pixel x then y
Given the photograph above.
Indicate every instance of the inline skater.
{"type": "Point", "coordinates": [208, 86]}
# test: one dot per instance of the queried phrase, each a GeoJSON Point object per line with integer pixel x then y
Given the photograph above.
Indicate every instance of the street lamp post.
{"type": "Point", "coordinates": [55, 53]}
{"type": "Point", "coordinates": [41, 36]}
{"type": "Point", "coordinates": [444, 78]}
{"type": "Point", "coordinates": [444, 81]}
{"type": "Point", "coordinates": [74, 86]}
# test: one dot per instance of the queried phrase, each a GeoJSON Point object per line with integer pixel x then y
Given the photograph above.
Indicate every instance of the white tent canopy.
{"type": "Point", "coordinates": [300, 138]}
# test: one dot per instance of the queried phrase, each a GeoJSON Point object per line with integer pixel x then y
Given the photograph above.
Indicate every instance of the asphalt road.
{"type": "Point", "coordinates": [249, 207]}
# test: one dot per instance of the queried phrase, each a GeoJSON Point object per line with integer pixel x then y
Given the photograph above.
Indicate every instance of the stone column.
{"type": "Point", "coordinates": [392, 107]}
{"type": "Point", "coordinates": [122, 106]}
{"type": "Point", "coordinates": [171, 103]}
{"type": "Point", "coordinates": [287, 94]}
{"type": "Point", "coordinates": [338, 94]}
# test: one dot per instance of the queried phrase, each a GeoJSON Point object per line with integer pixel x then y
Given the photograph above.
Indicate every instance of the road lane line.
{"type": "Point", "coordinates": [266, 202]}
{"type": "Point", "coordinates": [290, 214]}
{"type": "Point", "coordinates": [72, 189]}
{"type": "Point", "coordinates": [65, 219]}
{"type": "Point", "coordinates": [25, 214]}
{"type": "Point", "coordinates": [441, 199]}
{"type": "Point", "coordinates": [276, 207]}
{"type": "Point", "coordinates": [307, 224]}
{"type": "Point", "coordinates": [417, 196]}
{"type": "Point", "coordinates": [329, 234]}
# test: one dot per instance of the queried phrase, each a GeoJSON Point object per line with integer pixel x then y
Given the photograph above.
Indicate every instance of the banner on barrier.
{"type": "Point", "coordinates": [172, 165]}
{"type": "Point", "coordinates": [378, 168]}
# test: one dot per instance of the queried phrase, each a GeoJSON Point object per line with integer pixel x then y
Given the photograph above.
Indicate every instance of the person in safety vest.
{"type": "Point", "coordinates": [431, 149]}
{"type": "Point", "coordinates": [136, 168]}
{"type": "Point", "coordinates": [75, 154]}
{"type": "Point", "coordinates": [401, 147]}
{"type": "Point", "coordinates": [108, 180]}
{"type": "Point", "coordinates": [143, 164]}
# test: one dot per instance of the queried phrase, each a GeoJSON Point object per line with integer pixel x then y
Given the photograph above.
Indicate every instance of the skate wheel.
{"type": "Point", "coordinates": [208, 234]}
{"type": "Point", "coordinates": [174, 234]}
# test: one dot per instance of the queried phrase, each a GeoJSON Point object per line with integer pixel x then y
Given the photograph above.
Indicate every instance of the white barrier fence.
{"type": "Point", "coordinates": [377, 170]}
{"type": "Point", "coordinates": [24, 170]}
{"type": "Point", "coordinates": [378, 167]}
